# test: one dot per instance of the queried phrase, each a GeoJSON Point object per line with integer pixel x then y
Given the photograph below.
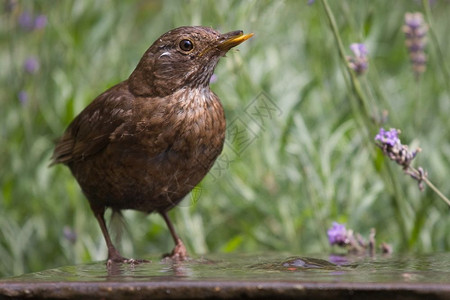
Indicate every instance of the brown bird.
{"type": "Point", "coordinates": [146, 142]}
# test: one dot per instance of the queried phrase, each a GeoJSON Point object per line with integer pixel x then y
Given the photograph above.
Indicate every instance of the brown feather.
{"type": "Point", "coordinates": [146, 142]}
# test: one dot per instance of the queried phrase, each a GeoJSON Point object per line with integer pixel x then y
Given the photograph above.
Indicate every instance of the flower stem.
{"type": "Point", "coordinates": [362, 113]}
{"type": "Point", "coordinates": [436, 190]}
{"type": "Point", "coordinates": [434, 39]}
{"type": "Point", "coordinates": [354, 82]}
{"type": "Point", "coordinates": [414, 173]}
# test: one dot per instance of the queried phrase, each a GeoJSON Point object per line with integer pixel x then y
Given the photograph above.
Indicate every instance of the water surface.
{"type": "Point", "coordinates": [432, 268]}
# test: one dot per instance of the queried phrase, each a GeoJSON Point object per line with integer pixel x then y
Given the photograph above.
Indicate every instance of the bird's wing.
{"type": "Point", "coordinates": [90, 132]}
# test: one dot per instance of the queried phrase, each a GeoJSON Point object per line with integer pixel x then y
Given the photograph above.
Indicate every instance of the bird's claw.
{"type": "Point", "coordinates": [122, 260]}
{"type": "Point", "coordinates": [179, 253]}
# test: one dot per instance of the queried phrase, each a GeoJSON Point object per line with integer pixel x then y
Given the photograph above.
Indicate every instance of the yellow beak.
{"type": "Point", "coordinates": [233, 39]}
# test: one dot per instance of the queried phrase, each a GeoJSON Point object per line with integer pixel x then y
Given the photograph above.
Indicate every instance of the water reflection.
{"type": "Point", "coordinates": [433, 268]}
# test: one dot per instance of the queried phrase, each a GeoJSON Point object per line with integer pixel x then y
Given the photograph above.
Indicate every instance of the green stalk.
{"type": "Point", "coordinates": [363, 110]}
{"type": "Point", "coordinates": [434, 39]}
{"type": "Point", "coordinates": [437, 191]}
{"type": "Point", "coordinates": [355, 86]}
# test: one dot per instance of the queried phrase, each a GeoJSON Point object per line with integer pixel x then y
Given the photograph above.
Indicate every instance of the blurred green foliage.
{"type": "Point", "coordinates": [300, 167]}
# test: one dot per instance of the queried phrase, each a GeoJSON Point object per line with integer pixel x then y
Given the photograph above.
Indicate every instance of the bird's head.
{"type": "Point", "coordinates": [183, 57]}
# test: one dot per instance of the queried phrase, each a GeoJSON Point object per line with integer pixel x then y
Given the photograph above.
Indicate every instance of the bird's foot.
{"type": "Point", "coordinates": [114, 257]}
{"type": "Point", "coordinates": [179, 253]}
{"type": "Point", "coordinates": [130, 261]}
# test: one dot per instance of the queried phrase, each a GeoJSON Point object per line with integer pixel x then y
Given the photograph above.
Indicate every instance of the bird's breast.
{"type": "Point", "coordinates": [199, 121]}
{"type": "Point", "coordinates": [188, 123]}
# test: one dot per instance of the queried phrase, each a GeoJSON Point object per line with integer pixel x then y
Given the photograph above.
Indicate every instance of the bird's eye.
{"type": "Point", "coordinates": [186, 45]}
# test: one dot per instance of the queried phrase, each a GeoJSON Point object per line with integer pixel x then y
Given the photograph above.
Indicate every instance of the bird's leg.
{"type": "Point", "coordinates": [179, 252]}
{"type": "Point", "coordinates": [113, 254]}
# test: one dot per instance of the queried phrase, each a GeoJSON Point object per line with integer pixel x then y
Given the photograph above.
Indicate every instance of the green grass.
{"type": "Point", "coordinates": [312, 162]}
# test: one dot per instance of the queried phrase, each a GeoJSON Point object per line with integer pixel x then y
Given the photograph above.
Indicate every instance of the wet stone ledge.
{"type": "Point", "coordinates": [261, 276]}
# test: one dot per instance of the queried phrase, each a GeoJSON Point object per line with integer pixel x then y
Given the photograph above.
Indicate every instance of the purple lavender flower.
{"type": "Point", "coordinates": [389, 137]}
{"type": "Point", "coordinates": [359, 50]}
{"type": "Point", "coordinates": [31, 65]}
{"type": "Point", "coordinates": [69, 234]}
{"type": "Point", "coordinates": [29, 22]}
{"type": "Point", "coordinates": [415, 30]}
{"type": "Point", "coordinates": [40, 22]}
{"type": "Point", "coordinates": [311, 2]}
{"type": "Point", "coordinates": [359, 63]}
{"type": "Point", "coordinates": [26, 20]}
{"type": "Point", "coordinates": [389, 142]}
{"type": "Point", "coordinates": [337, 234]}
{"type": "Point", "coordinates": [213, 78]}
{"type": "Point", "coordinates": [23, 97]}
{"type": "Point", "coordinates": [413, 21]}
